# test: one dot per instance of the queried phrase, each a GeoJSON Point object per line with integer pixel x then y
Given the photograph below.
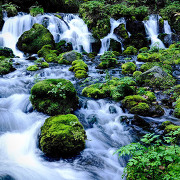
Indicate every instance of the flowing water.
{"type": "Point", "coordinates": [152, 28]}
{"type": "Point", "coordinates": [105, 42]}
{"type": "Point", "coordinates": [20, 156]}
{"type": "Point", "coordinates": [70, 28]}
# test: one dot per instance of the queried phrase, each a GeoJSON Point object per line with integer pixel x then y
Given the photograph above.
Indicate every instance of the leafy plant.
{"type": "Point", "coordinates": [152, 159]}
{"type": "Point", "coordinates": [58, 90]}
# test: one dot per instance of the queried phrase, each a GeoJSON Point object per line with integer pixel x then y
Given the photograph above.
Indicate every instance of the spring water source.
{"type": "Point", "coordinates": [105, 42]}
{"type": "Point", "coordinates": [152, 27]}
{"type": "Point", "coordinates": [70, 28]}
{"type": "Point", "coordinates": [20, 156]}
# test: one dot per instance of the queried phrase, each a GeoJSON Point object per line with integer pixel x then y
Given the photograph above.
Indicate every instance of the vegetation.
{"type": "Point", "coordinates": [152, 159]}
{"type": "Point", "coordinates": [62, 136]}
{"type": "Point", "coordinates": [35, 10]}
{"type": "Point", "coordinates": [6, 65]}
{"type": "Point", "coordinates": [54, 96]}
{"type": "Point", "coordinates": [33, 40]}
{"type": "Point", "coordinates": [108, 60]}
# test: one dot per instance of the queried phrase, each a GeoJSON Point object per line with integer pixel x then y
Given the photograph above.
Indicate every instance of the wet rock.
{"type": "Point", "coordinates": [112, 110]}
{"type": "Point", "coordinates": [140, 122]}
{"type": "Point", "coordinates": [135, 27]}
{"type": "Point", "coordinates": [92, 119]}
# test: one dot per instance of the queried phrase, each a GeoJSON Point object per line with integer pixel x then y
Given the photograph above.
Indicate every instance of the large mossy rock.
{"type": "Point", "coordinates": [6, 52]}
{"type": "Point", "coordinates": [6, 65]}
{"type": "Point", "coordinates": [69, 57]}
{"type": "Point", "coordinates": [156, 78]}
{"type": "Point", "coordinates": [121, 31]}
{"type": "Point", "coordinates": [62, 136]}
{"type": "Point", "coordinates": [33, 40]}
{"type": "Point", "coordinates": [54, 96]}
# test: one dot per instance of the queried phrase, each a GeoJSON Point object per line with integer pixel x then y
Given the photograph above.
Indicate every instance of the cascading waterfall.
{"type": "Point", "coordinates": [167, 27]}
{"type": "Point", "coordinates": [70, 28]}
{"type": "Point", "coordinates": [151, 27]}
{"type": "Point", "coordinates": [105, 42]}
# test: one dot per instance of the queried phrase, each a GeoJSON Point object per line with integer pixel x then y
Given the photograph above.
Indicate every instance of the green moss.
{"type": "Point", "coordinates": [141, 109]}
{"type": "Point", "coordinates": [81, 74]}
{"type": "Point", "coordinates": [177, 109]}
{"type": "Point", "coordinates": [96, 15]}
{"type": "Point", "coordinates": [131, 101]}
{"type": "Point", "coordinates": [32, 68]}
{"type": "Point", "coordinates": [69, 57]}
{"type": "Point", "coordinates": [35, 10]}
{"type": "Point", "coordinates": [108, 60]}
{"type": "Point", "coordinates": [128, 68]}
{"type": "Point", "coordinates": [6, 65]}
{"type": "Point", "coordinates": [142, 57]}
{"type": "Point", "coordinates": [6, 52]}
{"type": "Point", "coordinates": [149, 65]}
{"type": "Point", "coordinates": [115, 89]}
{"type": "Point", "coordinates": [130, 51]}
{"type": "Point", "coordinates": [137, 73]}
{"type": "Point", "coordinates": [54, 96]}
{"type": "Point", "coordinates": [169, 126]}
{"type": "Point", "coordinates": [62, 136]}
{"type": "Point", "coordinates": [80, 68]}
{"type": "Point", "coordinates": [143, 50]}
{"type": "Point", "coordinates": [62, 46]}
{"type": "Point", "coordinates": [122, 31]}
{"type": "Point", "coordinates": [44, 65]}
{"type": "Point", "coordinates": [33, 40]}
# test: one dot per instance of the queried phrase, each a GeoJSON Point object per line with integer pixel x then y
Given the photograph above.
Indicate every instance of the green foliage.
{"type": "Point", "coordinates": [153, 160]}
{"type": "Point", "coordinates": [62, 136]}
{"type": "Point", "coordinates": [96, 16]}
{"type": "Point", "coordinates": [108, 60]}
{"type": "Point", "coordinates": [35, 10]}
{"type": "Point", "coordinates": [11, 9]}
{"type": "Point", "coordinates": [54, 96]}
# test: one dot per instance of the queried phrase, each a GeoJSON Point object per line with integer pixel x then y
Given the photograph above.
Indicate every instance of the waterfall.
{"type": "Point", "coordinates": [105, 42]}
{"type": "Point", "coordinates": [152, 27]}
{"type": "Point", "coordinates": [167, 28]}
{"type": "Point", "coordinates": [70, 28]}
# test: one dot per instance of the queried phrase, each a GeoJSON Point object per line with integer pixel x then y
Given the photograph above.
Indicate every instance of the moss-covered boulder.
{"type": "Point", "coordinates": [131, 101]}
{"type": "Point", "coordinates": [115, 46]}
{"type": "Point", "coordinates": [116, 89]}
{"type": "Point", "coordinates": [108, 60]}
{"type": "Point", "coordinates": [80, 68]}
{"type": "Point", "coordinates": [169, 127]}
{"type": "Point", "coordinates": [6, 52]}
{"type": "Point", "coordinates": [165, 67]}
{"type": "Point", "coordinates": [54, 96]}
{"type": "Point", "coordinates": [140, 109]}
{"type": "Point", "coordinates": [130, 51]}
{"type": "Point", "coordinates": [33, 40]}
{"type": "Point", "coordinates": [121, 31]}
{"type": "Point", "coordinates": [6, 65]}
{"type": "Point", "coordinates": [62, 136]}
{"type": "Point", "coordinates": [32, 68]}
{"type": "Point", "coordinates": [156, 78]}
{"type": "Point", "coordinates": [48, 53]}
{"type": "Point", "coordinates": [128, 68]}
{"type": "Point", "coordinates": [68, 57]}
